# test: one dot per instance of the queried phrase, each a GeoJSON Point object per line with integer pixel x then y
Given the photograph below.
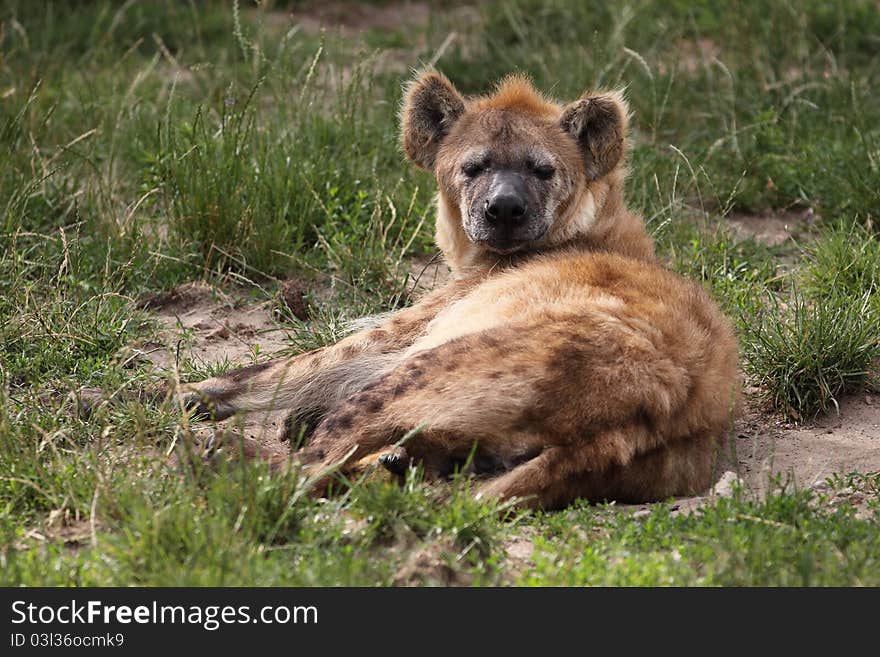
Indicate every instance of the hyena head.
{"type": "Point", "coordinates": [516, 171]}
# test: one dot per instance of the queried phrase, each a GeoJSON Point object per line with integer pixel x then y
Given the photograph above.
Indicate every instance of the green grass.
{"type": "Point", "coordinates": [789, 539]}
{"type": "Point", "coordinates": [846, 261]}
{"type": "Point", "coordinates": [807, 353]}
{"type": "Point", "coordinates": [151, 144]}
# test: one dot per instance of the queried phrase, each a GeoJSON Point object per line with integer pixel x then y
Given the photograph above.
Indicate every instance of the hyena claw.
{"type": "Point", "coordinates": [396, 462]}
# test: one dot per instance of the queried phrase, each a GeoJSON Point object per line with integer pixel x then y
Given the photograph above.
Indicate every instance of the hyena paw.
{"type": "Point", "coordinates": [204, 406]}
{"type": "Point", "coordinates": [397, 461]}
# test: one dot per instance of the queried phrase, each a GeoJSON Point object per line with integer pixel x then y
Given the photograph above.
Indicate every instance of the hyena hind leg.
{"type": "Point", "coordinates": [314, 382]}
{"type": "Point", "coordinates": [562, 474]}
{"type": "Point", "coordinates": [439, 396]}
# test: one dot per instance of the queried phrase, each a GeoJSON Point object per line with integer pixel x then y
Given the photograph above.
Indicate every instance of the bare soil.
{"type": "Point", "coordinates": [352, 18]}
{"type": "Point", "coordinates": [202, 322]}
{"type": "Point", "coordinates": [771, 229]}
{"type": "Point", "coordinates": [805, 455]}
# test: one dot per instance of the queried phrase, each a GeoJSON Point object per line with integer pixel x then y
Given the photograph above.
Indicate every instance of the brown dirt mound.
{"type": "Point", "coordinates": [771, 229]}
{"type": "Point", "coordinates": [352, 18]}
{"type": "Point", "coordinates": [806, 455]}
{"type": "Point", "coordinates": [202, 322]}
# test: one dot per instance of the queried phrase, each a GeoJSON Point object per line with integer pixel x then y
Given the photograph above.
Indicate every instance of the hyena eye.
{"type": "Point", "coordinates": [544, 171]}
{"type": "Point", "coordinates": [472, 169]}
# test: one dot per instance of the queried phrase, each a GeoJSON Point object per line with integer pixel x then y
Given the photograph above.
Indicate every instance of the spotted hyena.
{"type": "Point", "coordinates": [561, 355]}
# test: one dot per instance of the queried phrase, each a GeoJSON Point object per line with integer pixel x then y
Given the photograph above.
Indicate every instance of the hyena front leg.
{"type": "Point", "coordinates": [443, 393]}
{"type": "Point", "coordinates": [310, 383]}
{"type": "Point", "coordinates": [306, 384]}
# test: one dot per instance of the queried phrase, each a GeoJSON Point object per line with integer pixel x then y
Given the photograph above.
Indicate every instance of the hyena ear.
{"type": "Point", "coordinates": [430, 108]}
{"type": "Point", "coordinates": [598, 122]}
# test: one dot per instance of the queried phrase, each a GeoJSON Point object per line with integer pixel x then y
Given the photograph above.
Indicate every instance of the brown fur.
{"type": "Point", "coordinates": [577, 365]}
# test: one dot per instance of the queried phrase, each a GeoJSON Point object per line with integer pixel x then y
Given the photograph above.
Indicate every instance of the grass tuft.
{"type": "Point", "coordinates": [805, 354]}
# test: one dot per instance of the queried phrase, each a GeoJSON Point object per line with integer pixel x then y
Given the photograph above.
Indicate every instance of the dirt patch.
{"type": "Point", "coordinates": [401, 26]}
{"type": "Point", "coordinates": [428, 273]}
{"type": "Point", "coordinates": [771, 229]}
{"type": "Point", "coordinates": [202, 322]}
{"type": "Point", "coordinates": [293, 294]}
{"type": "Point", "coordinates": [430, 565]}
{"type": "Point", "coordinates": [519, 550]}
{"type": "Point", "coordinates": [696, 54]}
{"type": "Point", "coordinates": [74, 533]}
{"type": "Point", "coordinates": [352, 18]}
{"type": "Point", "coordinates": [804, 456]}
{"type": "Point", "coordinates": [771, 454]}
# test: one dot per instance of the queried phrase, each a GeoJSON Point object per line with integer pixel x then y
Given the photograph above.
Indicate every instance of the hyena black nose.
{"type": "Point", "coordinates": [505, 208]}
{"type": "Point", "coordinates": [506, 203]}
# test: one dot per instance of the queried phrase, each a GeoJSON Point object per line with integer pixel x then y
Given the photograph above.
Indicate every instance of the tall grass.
{"type": "Point", "coordinates": [806, 354]}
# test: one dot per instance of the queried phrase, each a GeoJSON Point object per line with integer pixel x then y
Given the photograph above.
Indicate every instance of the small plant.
{"type": "Point", "coordinates": [807, 352]}
{"type": "Point", "coordinates": [846, 261]}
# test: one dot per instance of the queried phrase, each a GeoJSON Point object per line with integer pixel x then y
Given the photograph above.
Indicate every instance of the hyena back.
{"type": "Point", "coordinates": [575, 364]}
